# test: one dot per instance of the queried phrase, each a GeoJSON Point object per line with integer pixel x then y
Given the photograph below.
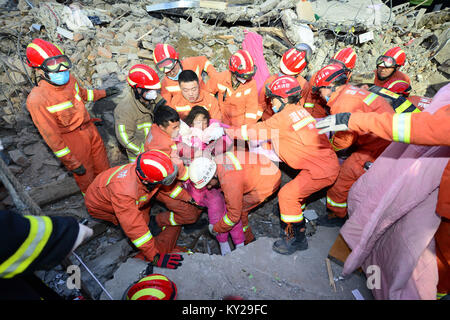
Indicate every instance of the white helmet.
{"type": "Point", "coordinates": [201, 171]}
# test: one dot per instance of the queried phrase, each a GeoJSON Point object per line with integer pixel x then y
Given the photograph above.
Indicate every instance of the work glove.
{"type": "Point", "coordinates": [80, 170]}
{"type": "Point", "coordinates": [335, 122]}
{"type": "Point", "coordinates": [169, 261]}
{"type": "Point", "coordinates": [211, 230]}
{"type": "Point", "coordinates": [111, 91]}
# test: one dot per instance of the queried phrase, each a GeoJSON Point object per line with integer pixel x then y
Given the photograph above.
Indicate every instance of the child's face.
{"type": "Point", "coordinates": [200, 122]}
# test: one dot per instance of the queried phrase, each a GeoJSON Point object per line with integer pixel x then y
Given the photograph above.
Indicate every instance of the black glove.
{"type": "Point", "coordinates": [80, 170]}
{"type": "Point", "coordinates": [169, 261]}
{"type": "Point", "coordinates": [335, 122]}
{"type": "Point", "coordinates": [111, 91]}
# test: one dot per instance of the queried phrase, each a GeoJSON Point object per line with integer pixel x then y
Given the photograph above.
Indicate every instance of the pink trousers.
{"type": "Point", "coordinates": [214, 201]}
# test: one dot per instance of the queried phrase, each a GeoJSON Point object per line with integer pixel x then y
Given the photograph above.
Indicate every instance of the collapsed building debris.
{"type": "Point", "coordinates": [104, 39]}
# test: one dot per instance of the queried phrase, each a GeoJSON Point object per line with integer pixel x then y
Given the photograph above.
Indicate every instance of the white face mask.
{"type": "Point", "coordinates": [150, 95]}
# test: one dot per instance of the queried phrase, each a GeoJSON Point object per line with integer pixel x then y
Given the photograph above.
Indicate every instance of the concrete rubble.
{"type": "Point", "coordinates": [105, 38]}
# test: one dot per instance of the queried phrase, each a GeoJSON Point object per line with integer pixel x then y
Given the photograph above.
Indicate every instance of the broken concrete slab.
{"type": "Point", "coordinates": [254, 272]}
{"type": "Point", "coordinates": [351, 12]}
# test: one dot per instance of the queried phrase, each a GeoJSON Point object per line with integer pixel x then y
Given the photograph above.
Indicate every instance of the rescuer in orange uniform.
{"type": "Point", "coordinates": [314, 103]}
{"type": "Point", "coordinates": [298, 144]}
{"type": "Point", "coordinates": [388, 66]}
{"type": "Point", "coordinates": [58, 111]}
{"type": "Point", "coordinates": [246, 180]}
{"type": "Point", "coordinates": [331, 83]}
{"type": "Point", "coordinates": [416, 128]}
{"type": "Point", "coordinates": [292, 63]}
{"type": "Point", "coordinates": [192, 95]}
{"type": "Point", "coordinates": [403, 88]}
{"type": "Point", "coordinates": [237, 91]}
{"type": "Point", "coordinates": [121, 195]}
{"type": "Point", "coordinates": [165, 128]}
{"type": "Point", "coordinates": [167, 60]}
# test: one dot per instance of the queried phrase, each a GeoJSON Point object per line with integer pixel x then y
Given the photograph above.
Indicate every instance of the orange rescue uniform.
{"type": "Point", "coordinates": [205, 100]}
{"type": "Point", "coordinates": [246, 180]}
{"type": "Point", "coordinates": [118, 196]}
{"type": "Point", "coordinates": [297, 143]}
{"type": "Point", "coordinates": [396, 76]}
{"type": "Point", "coordinates": [64, 123]}
{"type": "Point", "coordinates": [197, 64]}
{"type": "Point", "coordinates": [314, 103]}
{"type": "Point", "coordinates": [423, 129]}
{"type": "Point", "coordinates": [238, 106]}
{"type": "Point", "coordinates": [174, 196]}
{"type": "Point", "coordinates": [368, 147]}
{"type": "Point", "coordinates": [265, 102]}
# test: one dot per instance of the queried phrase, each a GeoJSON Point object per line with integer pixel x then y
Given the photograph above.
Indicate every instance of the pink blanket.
{"type": "Point", "coordinates": [253, 43]}
{"type": "Point", "coordinates": [392, 217]}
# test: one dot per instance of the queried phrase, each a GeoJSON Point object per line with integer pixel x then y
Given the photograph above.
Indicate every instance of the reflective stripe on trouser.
{"type": "Point", "coordinates": [351, 169]}
{"type": "Point", "coordinates": [294, 193]}
{"type": "Point", "coordinates": [87, 146]}
{"type": "Point", "coordinates": [38, 235]}
{"type": "Point", "coordinates": [180, 212]}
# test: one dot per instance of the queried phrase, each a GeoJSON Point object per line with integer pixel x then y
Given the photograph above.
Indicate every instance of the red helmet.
{"type": "Point", "coordinates": [241, 64]}
{"type": "Point", "coordinates": [156, 166]}
{"type": "Point", "coordinates": [283, 87]}
{"type": "Point", "coordinates": [165, 57]}
{"type": "Point", "coordinates": [142, 76]}
{"type": "Point", "coordinates": [153, 287]}
{"type": "Point", "coordinates": [345, 56]}
{"type": "Point", "coordinates": [394, 57]}
{"type": "Point", "coordinates": [46, 56]}
{"type": "Point", "coordinates": [293, 62]}
{"type": "Point", "coordinates": [400, 87]}
{"type": "Point", "coordinates": [328, 75]}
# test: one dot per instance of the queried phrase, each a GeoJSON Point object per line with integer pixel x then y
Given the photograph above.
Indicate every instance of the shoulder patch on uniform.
{"type": "Point", "coordinates": [122, 174]}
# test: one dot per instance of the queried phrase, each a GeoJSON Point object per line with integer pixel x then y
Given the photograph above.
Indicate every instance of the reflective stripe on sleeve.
{"type": "Point", "coordinates": [40, 230]}
{"type": "Point", "coordinates": [172, 219]}
{"type": "Point", "coordinates": [309, 105]}
{"type": "Point", "coordinates": [142, 240]}
{"type": "Point", "coordinates": [176, 192]}
{"type": "Point", "coordinates": [244, 132]}
{"type": "Point", "coordinates": [250, 115]}
{"type": "Point", "coordinates": [126, 140]}
{"type": "Point", "coordinates": [185, 176]}
{"type": "Point", "coordinates": [60, 107]}
{"type": "Point", "coordinates": [90, 95]}
{"type": "Point", "coordinates": [401, 127]}
{"type": "Point", "coordinates": [235, 161]}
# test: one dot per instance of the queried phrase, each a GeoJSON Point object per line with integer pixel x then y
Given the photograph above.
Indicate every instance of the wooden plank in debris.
{"type": "Point", "coordinates": [340, 251]}
{"type": "Point", "coordinates": [21, 199]}
{"type": "Point", "coordinates": [330, 274]}
{"type": "Point", "coordinates": [54, 191]}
